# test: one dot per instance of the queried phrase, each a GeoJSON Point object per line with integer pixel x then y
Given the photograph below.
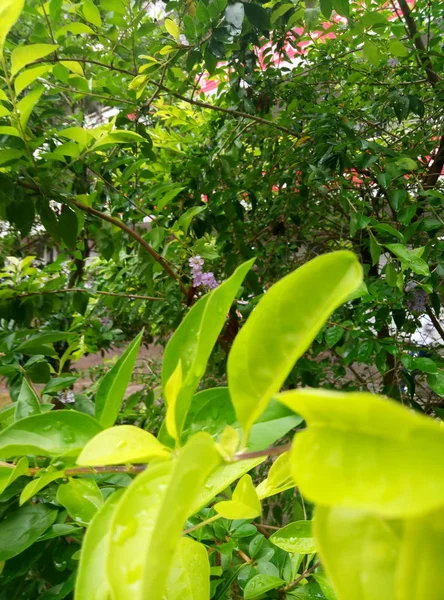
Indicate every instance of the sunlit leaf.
{"type": "Point", "coordinates": [295, 537]}
{"type": "Point", "coordinates": [282, 327]}
{"type": "Point", "coordinates": [122, 444]}
{"type": "Point", "coordinates": [23, 55]}
{"type": "Point", "coordinates": [365, 452]}
{"type": "Point", "coordinates": [189, 576]}
{"type": "Point", "coordinates": [244, 504]}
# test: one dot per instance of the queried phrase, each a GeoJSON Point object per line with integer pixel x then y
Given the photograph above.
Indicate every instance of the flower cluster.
{"type": "Point", "coordinates": [199, 277]}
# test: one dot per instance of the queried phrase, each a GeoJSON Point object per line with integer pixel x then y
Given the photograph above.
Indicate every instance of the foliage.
{"type": "Point", "coordinates": [176, 530]}
{"type": "Point", "coordinates": [132, 199]}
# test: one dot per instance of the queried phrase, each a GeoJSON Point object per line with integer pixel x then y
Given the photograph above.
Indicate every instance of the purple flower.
{"type": "Point", "coordinates": [197, 278]}
{"type": "Point", "coordinates": [209, 280]}
{"type": "Point", "coordinates": [392, 62]}
{"type": "Point", "coordinates": [196, 262]}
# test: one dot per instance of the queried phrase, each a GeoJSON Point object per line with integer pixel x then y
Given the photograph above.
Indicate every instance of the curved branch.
{"type": "Point", "coordinates": [90, 292]}
{"type": "Point", "coordinates": [155, 255]}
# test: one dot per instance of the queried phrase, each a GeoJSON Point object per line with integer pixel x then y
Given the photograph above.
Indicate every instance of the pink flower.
{"type": "Point", "coordinates": [132, 116]}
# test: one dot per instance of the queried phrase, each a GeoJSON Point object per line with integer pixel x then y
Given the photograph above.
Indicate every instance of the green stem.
{"type": "Point", "coordinates": [202, 524]}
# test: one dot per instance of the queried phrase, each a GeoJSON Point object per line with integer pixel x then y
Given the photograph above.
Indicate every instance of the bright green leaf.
{"type": "Point", "coordinates": [92, 13]}
{"type": "Point", "coordinates": [74, 28]}
{"type": "Point", "coordinates": [122, 444]}
{"type": "Point", "coordinates": [189, 576]}
{"type": "Point", "coordinates": [26, 105]}
{"type": "Point", "coordinates": [172, 28]}
{"type": "Point", "coordinates": [9, 13]}
{"type": "Point", "coordinates": [27, 77]}
{"type": "Point", "coordinates": [295, 537]}
{"type": "Point", "coordinates": [338, 460]}
{"type": "Point", "coordinates": [8, 475]}
{"type": "Point", "coordinates": [92, 581]}
{"type": "Point", "coordinates": [244, 504]}
{"type": "Point", "coordinates": [279, 478]}
{"type": "Point", "coordinates": [23, 55]}
{"type": "Point", "coordinates": [282, 327]}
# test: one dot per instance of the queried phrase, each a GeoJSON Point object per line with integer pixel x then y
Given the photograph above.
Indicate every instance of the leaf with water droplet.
{"type": "Point", "coordinates": [81, 498]}
{"type": "Point", "coordinates": [48, 434]}
{"type": "Point", "coordinates": [92, 581]}
{"type": "Point", "coordinates": [122, 444]}
{"type": "Point", "coordinates": [189, 576]}
{"type": "Point", "coordinates": [295, 537]}
{"type": "Point", "coordinates": [260, 584]}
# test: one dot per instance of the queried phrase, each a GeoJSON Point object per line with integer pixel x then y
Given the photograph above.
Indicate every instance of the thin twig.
{"type": "Point", "coordinates": [294, 583]}
{"type": "Point", "coordinates": [267, 452]}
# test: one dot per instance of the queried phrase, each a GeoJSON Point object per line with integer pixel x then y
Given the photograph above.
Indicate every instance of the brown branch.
{"type": "Point", "coordinates": [267, 452]}
{"type": "Point", "coordinates": [415, 36]}
{"type": "Point", "coordinates": [155, 255]}
{"type": "Point", "coordinates": [294, 583]}
{"type": "Point", "coordinates": [435, 321]}
{"type": "Point", "coordinates": [91, 292]}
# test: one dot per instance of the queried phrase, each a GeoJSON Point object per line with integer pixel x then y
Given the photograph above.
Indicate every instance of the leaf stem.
{"type": "Point", "coordinates": [201, 524]}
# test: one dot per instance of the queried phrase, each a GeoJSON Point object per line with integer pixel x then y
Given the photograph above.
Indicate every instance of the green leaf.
{"type": "Point", "coordinates": [295, 537]}
{"type": "Point", "coordinates": [282, 327]}
{"type": "Point", "coordinates": [10, 155]}
{"type": "Point", "coordinates": [436, 382]}
{"type": "Point", "coordinates": [194, 339]}
{"type": "Point", "coordinates": [48, 434]}
{"type": "Point", "coordinates": [426, 365]}
{"type": "Point", "coordinates": [118, 137]}
{"type": "Point", "coordinates": [92, 582]}
{"type": "Point", "coordinates": [260, 584]}
{"type": "Point", "coordinates": [77, 134]}
{"type": "Point", "coordinates": [68, 227]}
{"type": "Point", "coordinates": [398, 49]}
{"type": "Point", "coordinates": [122, 444]}
{"type": "Point", "coordinates": [28, 402]}
{"type": "Point", "coordinates": [326, 8]}
{"type": "Point", "coordinates": [342, 7]}
{"type": "Point", "coordinates": [372, 53]}
{"type": "Point", "coordinates": [375, 249]}
{"type": "Point", "coordinates": [8, 475]}
{"type": "Point", "coordinates": [172, 28]}
{"type": "Point", "coordinates": [257, 16]}
{"type": "Point", "coordinates": [409, 259]}
{"type": "Point", "coordinates": [92, 13]}
{"type": "Point", "coordinates": [149, 520]}
{"type": "Point", "coordinates": [74, 28]}
{"type": "Point", "coordinates": [81, 498]}
{"type": "Point", "coordinates": [244, 504]}
{"type": "Point", "coordinates": [27, 77]}
{"type": "Point", "coordinates": [221, 478]}
{"type": "Point", "coordinates": [112, 388]}
{"type": "Point", "coordinates": [359, 552]}
{"type": "Point", "coordinates": [23, 55]}
{"type": "Point", "coordinates": [337, 460]}
{"type": "Point", "coordinates": [280, 11]}
{"type": "Point", "coordinates": [33, 487]}
{"type": "Point", "coordinates": [189, 576]}
{"type": "Point", "coordinates": [195, 463]}
{"type": "Point", "coordinates": [132, 528]}
{"type": "Point", "coordinates": [9, 13]}
{"type": "Point", "coordinates": [23, 527]}
{"type": "Point", "coordinates": [26, 105]}
{"type": "Point", "coordinates": [271, 426]}
{"type": "Point", "coordinates": [333, 335]}
{"type": "Point", "coordinates": [279, 478]}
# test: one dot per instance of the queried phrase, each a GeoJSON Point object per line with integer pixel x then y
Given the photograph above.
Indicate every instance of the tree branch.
{"type": "Point", "coordinates": [155, 255]}
{"type": "Point", "coordinates": [86, 291]}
